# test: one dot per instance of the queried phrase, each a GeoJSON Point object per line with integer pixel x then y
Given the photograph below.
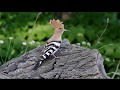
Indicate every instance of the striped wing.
{"type": "Point", "coordinates": [51, 49]}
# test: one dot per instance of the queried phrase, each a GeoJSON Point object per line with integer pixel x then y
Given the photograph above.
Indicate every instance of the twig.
{"type": "Point", "coordinates": [116, 70]}
{"type": "Point", "coordinates": [102, 32]}
{"type": "Point", "coordinates": [37, 18]}
{"type": "Point", "coordinates": [34, 23]}
{"type": "Point", "coordinates": [108, 45]}
{"type": "Point", "coordinates": [1, 56]}
{"type": "Point", "coordinates": [110, 73]}
{"type": "Point", "coordinates": [8, 50]}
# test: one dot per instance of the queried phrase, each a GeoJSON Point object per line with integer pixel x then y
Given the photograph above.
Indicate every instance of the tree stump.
{"type": "Point", "coordinates": [73, 62]}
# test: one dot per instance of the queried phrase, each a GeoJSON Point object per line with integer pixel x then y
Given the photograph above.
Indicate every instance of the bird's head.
{"type": "Point", "coordinates": [57, 25]}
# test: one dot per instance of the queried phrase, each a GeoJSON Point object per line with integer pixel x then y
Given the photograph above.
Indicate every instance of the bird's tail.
{"type": "Point", "coordinates": [37, 64]}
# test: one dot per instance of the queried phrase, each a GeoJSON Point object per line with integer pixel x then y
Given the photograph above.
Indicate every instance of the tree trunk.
{"type": "Point", "coordinates": [73, 62]}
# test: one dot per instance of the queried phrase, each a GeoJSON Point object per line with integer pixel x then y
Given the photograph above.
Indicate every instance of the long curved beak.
{"type": "Point", "coordinates": [67, 30]}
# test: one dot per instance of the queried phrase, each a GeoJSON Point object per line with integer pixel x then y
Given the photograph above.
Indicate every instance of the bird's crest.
{"type": "Point", "coordinates": [56, 23]}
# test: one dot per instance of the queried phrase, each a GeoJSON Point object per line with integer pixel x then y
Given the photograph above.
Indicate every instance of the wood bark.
{"type": "Point", "coordinates": [73, 62]}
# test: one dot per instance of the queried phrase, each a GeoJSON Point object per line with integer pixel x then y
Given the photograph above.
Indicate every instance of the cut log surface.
{"type": "Point", "coordinates": [73, 62]}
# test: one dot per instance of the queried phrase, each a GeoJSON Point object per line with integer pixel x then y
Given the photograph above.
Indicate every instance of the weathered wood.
{"type": "Point", "coordinates": [73, 62]}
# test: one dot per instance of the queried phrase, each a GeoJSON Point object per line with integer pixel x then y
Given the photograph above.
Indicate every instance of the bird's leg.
{"type": "Point", "coordinates": [55, 57]}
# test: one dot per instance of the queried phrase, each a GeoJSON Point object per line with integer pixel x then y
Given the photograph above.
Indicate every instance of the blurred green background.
{"type": "Point", "coordinates": [19, 29]}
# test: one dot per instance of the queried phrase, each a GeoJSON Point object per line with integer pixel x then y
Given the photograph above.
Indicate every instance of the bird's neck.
{"type": "Point", "coordinates": [57, 36]}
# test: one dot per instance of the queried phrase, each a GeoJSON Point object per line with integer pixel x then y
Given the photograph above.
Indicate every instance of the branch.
{"type": "Point", "coordinates": [73, 62]}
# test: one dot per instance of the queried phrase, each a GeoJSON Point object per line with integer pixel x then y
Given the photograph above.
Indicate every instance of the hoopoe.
{"type": "Point", "coordinates": [53, 44]}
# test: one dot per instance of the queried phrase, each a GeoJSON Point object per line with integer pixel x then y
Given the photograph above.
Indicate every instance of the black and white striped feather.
{"type": "Point", "coordinates": [51, 48]}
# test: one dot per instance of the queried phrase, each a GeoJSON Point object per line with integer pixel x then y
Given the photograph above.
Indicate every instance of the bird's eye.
{"type": "Point", "coordinates": [60, 28]}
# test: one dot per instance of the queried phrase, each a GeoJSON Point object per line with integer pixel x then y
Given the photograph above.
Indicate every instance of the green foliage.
{"type": "Point", "coordinates": [85, 27]}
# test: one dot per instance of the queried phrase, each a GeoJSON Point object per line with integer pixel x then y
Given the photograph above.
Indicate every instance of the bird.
{"type": "Point", "coordinates": [53, 44]}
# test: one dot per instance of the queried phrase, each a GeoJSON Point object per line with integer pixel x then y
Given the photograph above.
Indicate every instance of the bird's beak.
{"type": "Point", "coordinates": [67, 30]}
